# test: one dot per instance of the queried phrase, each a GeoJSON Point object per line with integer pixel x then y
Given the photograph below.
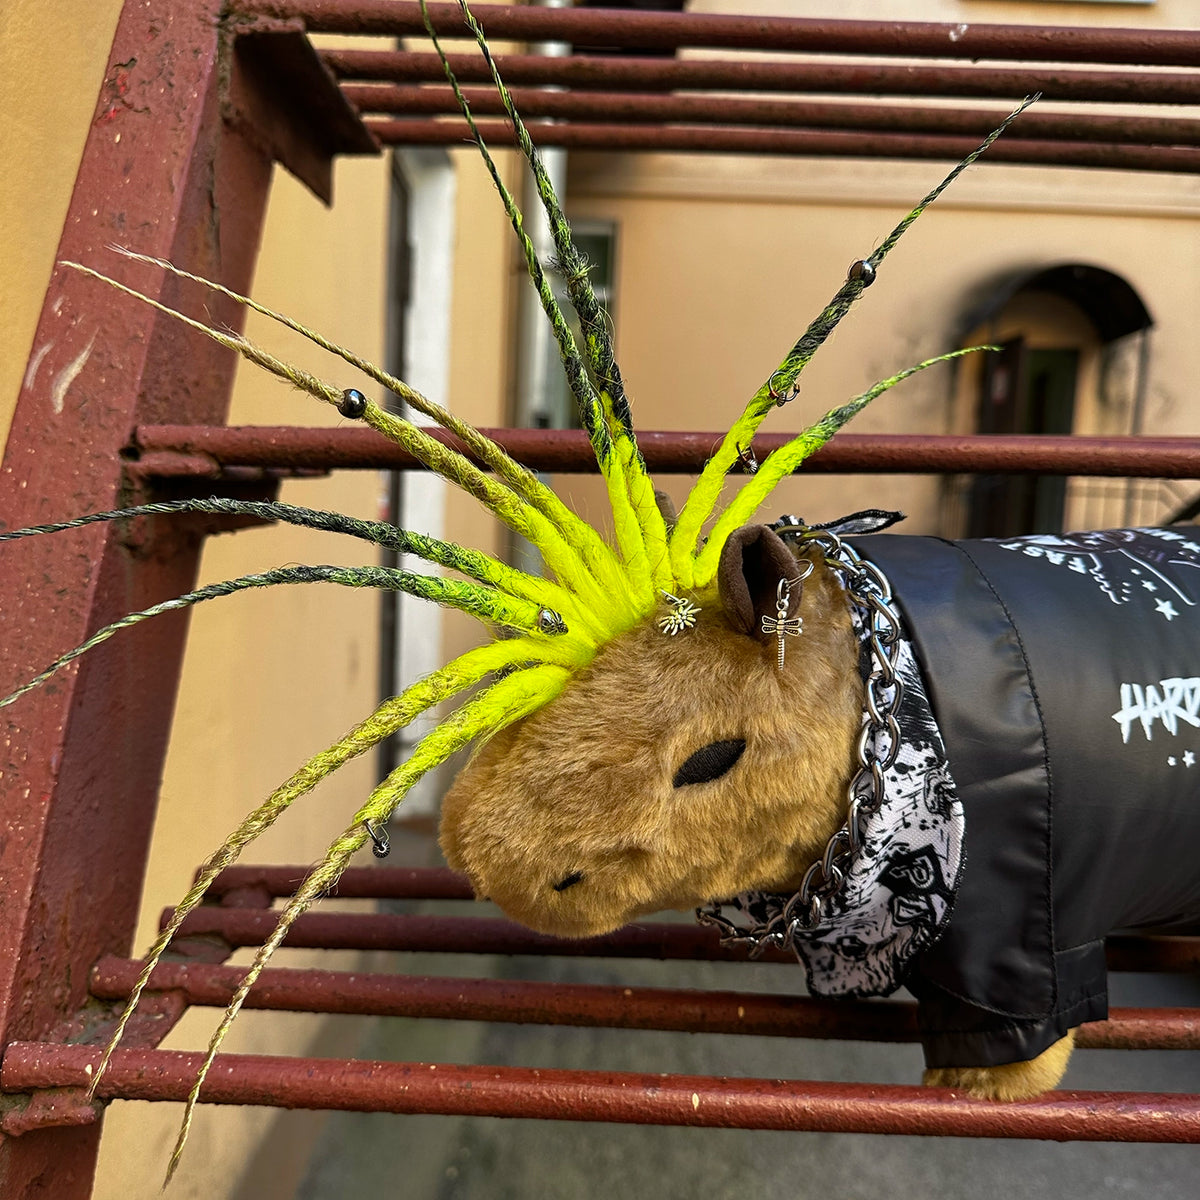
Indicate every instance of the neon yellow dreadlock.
{"type": "Point", "coordinates": [594, 591]}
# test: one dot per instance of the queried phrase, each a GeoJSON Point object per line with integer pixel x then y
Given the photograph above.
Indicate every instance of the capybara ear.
{"type": "Point", "coordinates": [753, 561]}
{"type": "Point", "coordinates": [666, 506]}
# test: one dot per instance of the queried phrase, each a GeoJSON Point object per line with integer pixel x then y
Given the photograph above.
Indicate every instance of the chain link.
{"type": "Point", "coordinates": [871, 593]}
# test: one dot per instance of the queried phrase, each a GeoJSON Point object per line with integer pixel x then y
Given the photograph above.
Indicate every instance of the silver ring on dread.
{"type": "Point", "coordinates": [746, 456]}
{"type": "Point", "coordinates": [381, 844]}
{"type": "Point", "coordinates": [784, 397]}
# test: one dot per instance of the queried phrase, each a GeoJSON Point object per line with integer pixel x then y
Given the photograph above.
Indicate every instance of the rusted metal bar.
{"type": "Point", "coordinates": [608, 1006]}
{"type": "Point", "coordinates": [423, 100]}
{"type": "Point", "coordinates": [486, 935]}
{"type": "Point", "coordinates": [81, 760]}
{"type": "Point", "coordinates": [1143, 1029]}
{"type": "Point", "coordinates": [666, 31]}
{"type": "Point", "coordinates": [643, 1099]}
{"type": "Point", "coordinates": [284, 96]}
{"type": "Point", "coordinates": [533, 1002]}
{"type": "Point", "coordinates": [813, 143]}
{"type": "Point", "coordinates": [157, 1015]}
{"type": "Point", "coordinates": [461, 935]}
{"type": "Point", "coordinates": [255, 886]}
{"type": "Point", "coordinates": [168, 451]}
{"type": "Point", "coordinates": [649, 75]}
{"type": "Point", "coordinates": [1167, 953]}
{"type": "Point", "coordinates": [373, 883]}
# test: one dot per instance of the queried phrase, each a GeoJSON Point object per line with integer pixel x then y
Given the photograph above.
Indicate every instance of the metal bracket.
{"type": "Point", "coordinates": [280, 94]}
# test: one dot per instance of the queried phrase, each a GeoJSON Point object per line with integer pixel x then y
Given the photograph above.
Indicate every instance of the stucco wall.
{"type": "Point", "coordinates": [722, 263]}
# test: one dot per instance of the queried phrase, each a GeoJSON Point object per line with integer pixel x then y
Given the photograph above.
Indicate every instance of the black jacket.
{"type": "Point", "coordinates": [1064, 672]}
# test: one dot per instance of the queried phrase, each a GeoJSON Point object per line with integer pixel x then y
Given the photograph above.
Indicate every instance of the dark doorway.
{"type": "Point", "coordinates": [1024, 391]}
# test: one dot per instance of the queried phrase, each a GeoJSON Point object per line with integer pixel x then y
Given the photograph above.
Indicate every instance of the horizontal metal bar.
{"type": "Point", "coordinates": [607, 1006]}
{"type": "Point", "coordinates": [1168, 953]}
{"type": "Point", "coordinates": [649, 939]}
{"type": "Point", "coordinates": [460, 935]}
{"type": "Point", "coordinates": [664, 31]}
{"type": "Point", "coordinates": [1143, 1029]}
{"type": "Point", "coordinates": [710, 139]}
{"type": "Point", "coordinates": [175, 451]}
{"type": "Point", "coordinates": [424, 100]}
{"type": "Point", "coordinates": [681, 1010]}
{"type": "Point", "coordinates": [643, 1099]}
{"type": "Point", "coordinates": [488, 935]}
{"type": "Point", "coordinates": [355, 883]}
{"type": "Point", "coordinates": [649, 75]}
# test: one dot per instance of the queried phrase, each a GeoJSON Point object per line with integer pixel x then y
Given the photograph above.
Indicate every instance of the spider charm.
{"type": "Point", "coordinates": [781, 624]}
{"type": "Point", "coordinates": [746, 458]}
{"type": "Point", "coordinates": [549, 622]}
{"type": "Point", "coordinates": [381, 844]}
{"type": "Point", "coordinates": [682, 615]}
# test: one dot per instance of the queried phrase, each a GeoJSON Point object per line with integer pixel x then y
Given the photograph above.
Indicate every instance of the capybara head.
{"type": "Point", "coordinates": [674, 769]}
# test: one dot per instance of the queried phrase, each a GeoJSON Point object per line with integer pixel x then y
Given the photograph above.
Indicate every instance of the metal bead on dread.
{"type": "Point", "coordinates": [353, 405]}
{"type": "Point", "coordinates": [863, 271]}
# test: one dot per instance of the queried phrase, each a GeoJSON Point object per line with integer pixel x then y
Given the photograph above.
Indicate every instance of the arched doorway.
{"type": "Point", "coordinates": [1073, 358]}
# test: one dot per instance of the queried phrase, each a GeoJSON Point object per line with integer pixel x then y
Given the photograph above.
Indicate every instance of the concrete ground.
{"type": "Point", "coordinates": [450, 1158]}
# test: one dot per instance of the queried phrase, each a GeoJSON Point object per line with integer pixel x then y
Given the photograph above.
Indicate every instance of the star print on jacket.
{"type": "Point", "coordinates": [1121, 561]}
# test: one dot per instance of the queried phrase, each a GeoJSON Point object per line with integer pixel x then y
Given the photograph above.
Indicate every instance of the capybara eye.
{"type": "Point", "coordinates": [710, 762]}
{"type": "Point", "coordinates": [568, 881]}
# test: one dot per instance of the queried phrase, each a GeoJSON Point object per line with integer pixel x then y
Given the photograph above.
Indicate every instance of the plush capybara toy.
{"type": "Point", "coordinates": [1034, 793]}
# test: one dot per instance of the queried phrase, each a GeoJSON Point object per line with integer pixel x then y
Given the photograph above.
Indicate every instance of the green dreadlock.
{"type": "Point", "coordinates": [594, 593]}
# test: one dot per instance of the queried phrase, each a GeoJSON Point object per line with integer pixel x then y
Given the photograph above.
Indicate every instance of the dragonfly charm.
{"type": "Point", "coordinates": [781, 624]}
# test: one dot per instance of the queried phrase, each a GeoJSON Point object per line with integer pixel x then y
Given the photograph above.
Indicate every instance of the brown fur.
{"type": "Point", "coordinates": [585, 785]}
{"type": "Point", "coordinates": [1010, 1081]}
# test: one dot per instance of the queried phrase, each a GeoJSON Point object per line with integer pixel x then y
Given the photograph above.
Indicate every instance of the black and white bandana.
{"type": "Point", "coordinates": [899, 890]}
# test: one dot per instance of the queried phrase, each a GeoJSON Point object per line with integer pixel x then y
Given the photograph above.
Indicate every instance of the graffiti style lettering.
{"type": "Point", "coordinates": [1169, 701]}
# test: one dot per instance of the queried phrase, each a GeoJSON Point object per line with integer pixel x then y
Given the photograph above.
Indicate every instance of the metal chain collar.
{"type": "Point", "coordinates": [871, 593]}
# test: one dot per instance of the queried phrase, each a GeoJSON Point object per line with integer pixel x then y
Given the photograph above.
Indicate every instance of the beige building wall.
{"type": "Point", "coordinates": [722, 262]}
{"type": "Point", "coordinates": [742, 253]}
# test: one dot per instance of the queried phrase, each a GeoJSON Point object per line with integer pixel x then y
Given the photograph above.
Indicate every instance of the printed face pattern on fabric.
{"type": "Point", "coordinates": [900, 889]}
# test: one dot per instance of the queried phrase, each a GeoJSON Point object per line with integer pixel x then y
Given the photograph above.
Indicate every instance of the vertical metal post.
{"type": "Point", "coordinates": [81, 758]}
